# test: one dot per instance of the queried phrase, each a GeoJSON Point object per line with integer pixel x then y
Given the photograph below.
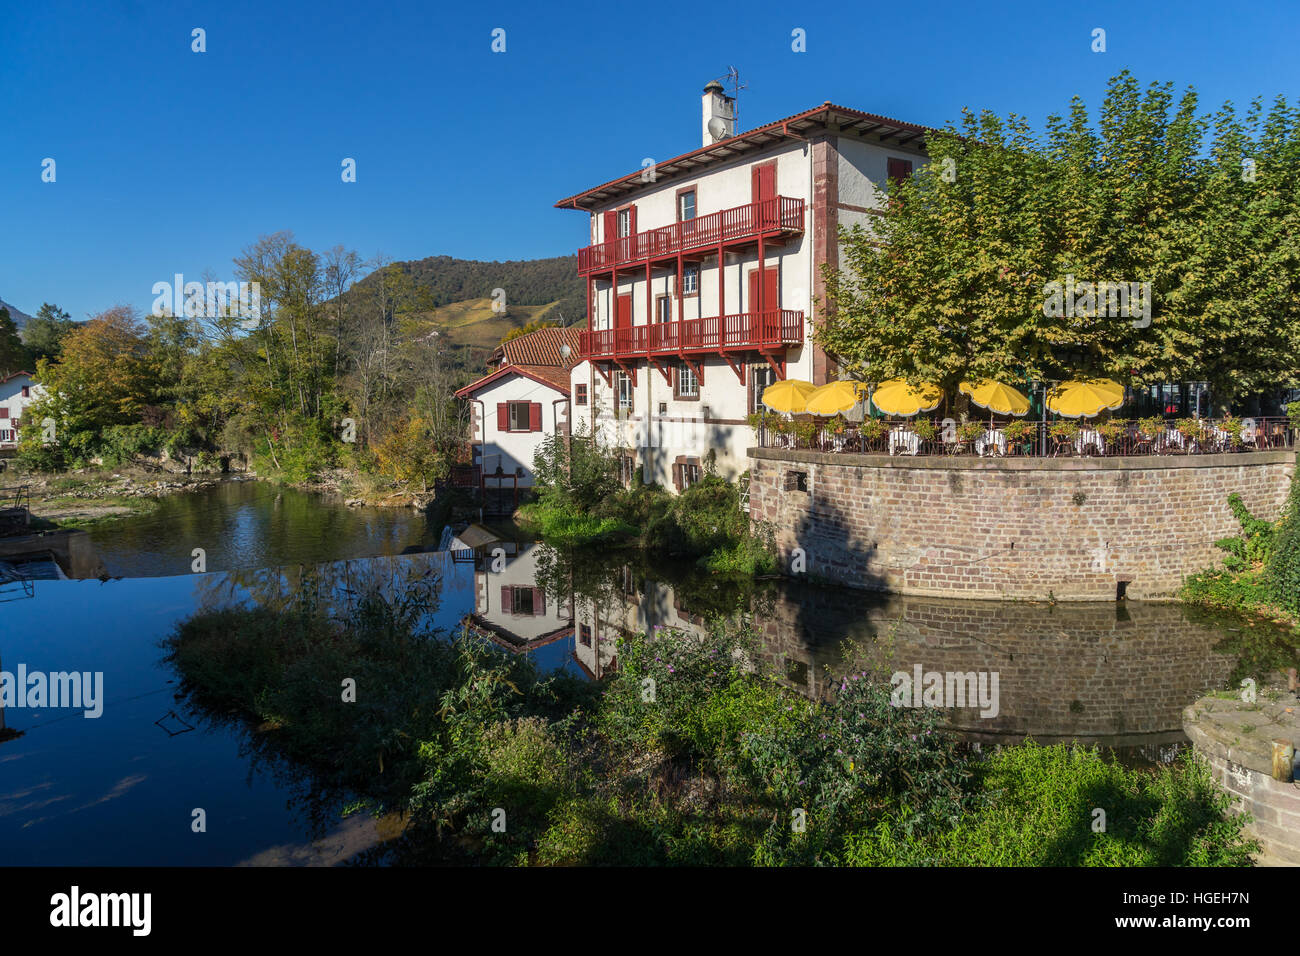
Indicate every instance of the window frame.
{"type": "Point", "coordinates": [694, 290]}
{"type": "Point", "coordinates": [693, 192]}
{"type": "Point", "coordinates": [580, 394]}
{"type": "Point", "coordinates": [680, 371]}
{"type": "Point", "coordinates": [510, 416]}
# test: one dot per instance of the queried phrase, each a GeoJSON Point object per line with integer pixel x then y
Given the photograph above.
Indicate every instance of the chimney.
{"type": "Point", "coordinates": [719, 114]}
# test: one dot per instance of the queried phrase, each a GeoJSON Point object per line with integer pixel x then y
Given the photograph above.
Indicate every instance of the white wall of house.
{"type": "Point", "coordinates": [662, 428]}
{"type": "Point", "coordinates": [511, 601]}
{"type": "Point", "coordinates": [14, 404]}
{"type": "Point", "coordinates": [514, 450]}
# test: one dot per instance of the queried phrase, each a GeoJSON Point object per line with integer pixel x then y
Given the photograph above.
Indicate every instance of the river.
{"type": "Point", "coordinates": [123, 787]}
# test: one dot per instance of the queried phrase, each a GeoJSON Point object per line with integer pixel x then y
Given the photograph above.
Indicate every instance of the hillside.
{"type": "Point", "coordinates": [20, 318]}
{"type": "Point", "coordinates": [461, 290]}
{"type": "Point", "coordinates": [473, 330]}
{"type": "Point", "coordinates": [527, 282]}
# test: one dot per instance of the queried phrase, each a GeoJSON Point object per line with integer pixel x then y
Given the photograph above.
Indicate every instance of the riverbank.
{"type": "Point", "coordinates": [84, 498]}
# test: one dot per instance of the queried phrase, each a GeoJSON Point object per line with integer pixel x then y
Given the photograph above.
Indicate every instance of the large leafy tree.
{"type": "Point", "coordinates": [951, 282]}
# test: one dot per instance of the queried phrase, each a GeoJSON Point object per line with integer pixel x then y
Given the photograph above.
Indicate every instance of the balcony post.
{"type": "Point", "coordinates": [762, 286]}
{"type": "Point", "coordinates": [649, 311]}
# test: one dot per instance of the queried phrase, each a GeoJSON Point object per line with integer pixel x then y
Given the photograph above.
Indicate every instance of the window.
{"type": "Point", "coordinates": [4, 413]}
{"type": "Point", "coordinates": [796, 481]}
{"type": "Point", "coordinates": [686, 384]}
{"type": "Point", "coordinates": [581, 397]}
{"type": "Point", "coordinates": [760, 377]}
{"type": "Point", "coordinates": [624, 223]}
{"type": "Point", "coordinates": [627, 469]}
{"type": "Point", "coordinates": [686, 472]}
{"type": "Point", "coordinates": [521, 600]}
{"type": "Point", "coordinates": [690, 280]}
{"type": "Point", "coordinates": [584, 635]}
{"type": "Point", "coordinates": [663, 308]}
{"type": "Point", "coordinates": [685, 205]}
{"type": "Point", "coordinates": [899, 169]}
{"type": "Point", "coordinates": [623, 385]}
{"type": "Point", "coordinates": [27, 391]}
{"type": "Point", "coordinates": [519, 416]}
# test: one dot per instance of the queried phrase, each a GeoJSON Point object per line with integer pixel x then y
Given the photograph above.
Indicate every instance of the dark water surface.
{"type": "Point", "coordinates": [254, 524]}
{"type": "Point", "coordinates": [122, 788]}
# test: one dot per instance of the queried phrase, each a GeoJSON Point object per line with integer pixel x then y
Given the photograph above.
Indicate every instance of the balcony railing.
{"type": "Point", "coordinates": [745, 330]}
{"type": "Point", "coordinates": [1040, 439]}
{"type": "Point", "coordinates": [780, 214]}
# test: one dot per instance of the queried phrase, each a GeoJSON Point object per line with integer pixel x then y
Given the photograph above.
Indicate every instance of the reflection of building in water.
{"type": "Point", "coordinates": [634, 607]}
{"type": "Point", "coordinates": [510, 609]}
{"type": "Point", "coordinates": [1115, 675]}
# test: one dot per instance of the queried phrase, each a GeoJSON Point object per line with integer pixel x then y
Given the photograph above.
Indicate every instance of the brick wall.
{"type": "Point", "coordinates": [1111, 674]}
{"type": "Point", "coordinates": [1012, 528]}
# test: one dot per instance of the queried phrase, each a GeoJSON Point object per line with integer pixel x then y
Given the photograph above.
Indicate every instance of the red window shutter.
{"type": "Point", "coordinates": [4, 413]}
{"type": "Point", "coordinates": [507, 599]}
{"type": "Point", "coordinates": [503, 416]}
{"type": "Point", "coordinates": [899, 169]}
{"type": "Point", "coordinates": [539, 603]}
{"type": "Point", "coordinates": [631, 220]}
{"type": "Point", "coordinates": [534, 416]}
{"type": "Point", "coordinates": [611, 224]}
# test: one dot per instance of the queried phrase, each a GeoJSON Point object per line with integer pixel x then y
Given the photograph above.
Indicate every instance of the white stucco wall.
{"type": "Point", "coordinates": [681, 428]}
{"type": "Point", "coordinates": [15, 405]}
{"type": "Point", "coordinates": [519, 572]}
{"type": "Point", "coordinates": [513, 450]}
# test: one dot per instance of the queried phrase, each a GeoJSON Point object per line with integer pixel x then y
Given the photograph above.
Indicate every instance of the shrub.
{"type": "Point", "coordinates": [1040, 811]}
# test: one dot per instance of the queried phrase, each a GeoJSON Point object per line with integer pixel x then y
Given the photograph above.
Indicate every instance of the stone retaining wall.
{"type": "Point", "coordinates": [1088, 529]}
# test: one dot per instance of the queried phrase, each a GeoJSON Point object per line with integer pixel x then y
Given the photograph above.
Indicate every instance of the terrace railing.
{"type": "Point", "coordinates": [1047, 439]}
{"type": "Point", "coordinates": [719, 333]}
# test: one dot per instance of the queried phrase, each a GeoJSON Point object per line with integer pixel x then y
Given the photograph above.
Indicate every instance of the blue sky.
{"type": "Point", "coordinates": [173, 161]}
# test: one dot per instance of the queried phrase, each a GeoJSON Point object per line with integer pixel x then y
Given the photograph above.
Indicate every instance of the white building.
{"type": "Point", "coordinates": [704, 272]}
{"type": "Point", "coordinates": [523, 399]}
{"type": "Point", "coordinates": [509, 608]}
{"type": "Point", "coordinates": [17, 392]}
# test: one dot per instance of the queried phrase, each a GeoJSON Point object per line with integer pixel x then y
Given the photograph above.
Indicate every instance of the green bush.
{"type": "Point", "coordinates": [1041, 810]}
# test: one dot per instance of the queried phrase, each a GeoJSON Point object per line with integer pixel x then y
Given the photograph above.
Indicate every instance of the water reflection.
{"type": "Point", "coordinates": [1116, 675]}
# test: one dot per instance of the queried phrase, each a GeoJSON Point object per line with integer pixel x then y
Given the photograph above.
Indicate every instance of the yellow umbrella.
{"type": "Point", "coordinates": [996, 397]}
{"type": "Point", "coordinates": [835, 397]}
{"type": "Point", "coordinates": [896, 397]}
{"type": "Point", "coordinates": [1085, 399]}
{"type": "Point", "coordinates": [788, 395]}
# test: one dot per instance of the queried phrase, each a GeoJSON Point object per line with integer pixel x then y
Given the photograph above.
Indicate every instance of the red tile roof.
{"type": "Point", "coordinates": [847, 120]}
{"type": "Point", "coordinates": [536, 356]}
{"type": "Point", "coordinates": [538, 348]}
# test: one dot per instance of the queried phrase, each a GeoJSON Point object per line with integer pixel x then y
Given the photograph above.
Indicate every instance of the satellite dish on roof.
{"type": "Point", "coordinates": [717, 129]}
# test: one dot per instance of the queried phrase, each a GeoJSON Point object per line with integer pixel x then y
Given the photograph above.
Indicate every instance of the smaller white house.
{"type": "Point", "coordinates": [523, 399]}
{"type": "Point", "coordinates": [509, 608]}
{"type": "Point", "coordinates": [17, 392]}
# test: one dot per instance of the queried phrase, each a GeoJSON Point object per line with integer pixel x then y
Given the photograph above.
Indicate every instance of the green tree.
{"type": "Point", "coordinates": [45, 331]}
{"type": "Point", "coordinates": [14, 357]}
{"type": "Point", "coordinates": [952, 281]}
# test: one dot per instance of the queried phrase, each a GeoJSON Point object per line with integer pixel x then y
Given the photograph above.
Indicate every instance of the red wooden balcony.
{"type": "Point", "coordinates": [753, 331]}
{"type": "Point", "coordinates": [769, 218]}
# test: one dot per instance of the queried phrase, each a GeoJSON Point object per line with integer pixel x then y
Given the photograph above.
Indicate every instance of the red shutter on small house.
{"type": "Point", "coordinates": [503, 416]}
{"type": "Point", "coordinates": [899, 169]}
{"type": "Point", "coordinates": [507, 602]}
{"type": "Point", "coordinates": [539, 603]}
{"type": "Point", "coordinates": [631, 220]}
{"type": "Point", "coordinates": [534, 416]}
{"type": "Point", "coordinates": [611, 224]}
